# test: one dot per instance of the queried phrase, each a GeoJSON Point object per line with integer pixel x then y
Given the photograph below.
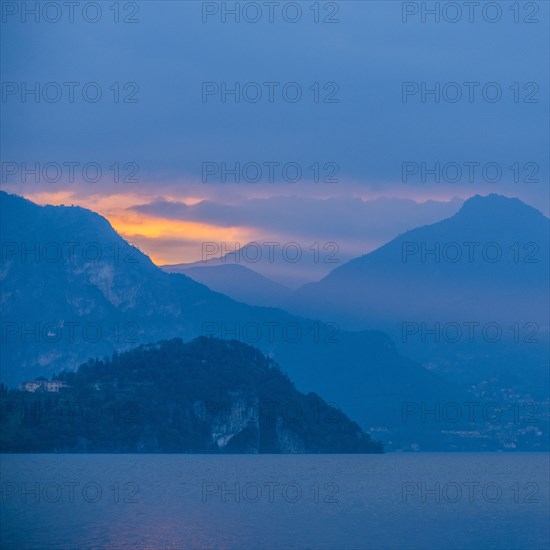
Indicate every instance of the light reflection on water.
{"type": "Point", "coordinates": [424, 501]}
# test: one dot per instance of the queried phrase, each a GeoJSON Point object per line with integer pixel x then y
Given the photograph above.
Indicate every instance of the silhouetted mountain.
{"type": "Point", "coordinates": [485, 268]}
{"type": "Point", "coordinates": [205, 396]}
{"type": "Point", "coordinates": [270, 260]}
{"type": "Point", "coordinates": [236, 281]}
{"type": "Point", "coordinates": [420, 276]}
{"type": "Point", "coordinates": [105, 296]}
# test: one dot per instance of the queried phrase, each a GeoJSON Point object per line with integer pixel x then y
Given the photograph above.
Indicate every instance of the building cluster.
{"type": "Point", "coordinates": [52, 386]}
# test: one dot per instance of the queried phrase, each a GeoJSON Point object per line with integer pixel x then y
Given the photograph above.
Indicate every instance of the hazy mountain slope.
{"type": "Point", "coordinates": [238, 282]}
{"type": "Point", "coordinates": [403, 280]}
{"type": "Point", "coordinates": [467, 296]}
{"type": "Point", "coordinates": [275, 261]}
{"type": "Point", "coordinates": [79, 309]}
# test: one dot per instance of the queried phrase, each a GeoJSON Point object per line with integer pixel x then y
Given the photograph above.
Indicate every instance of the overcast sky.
{"type": "Point", "coordinates": [163, 124]}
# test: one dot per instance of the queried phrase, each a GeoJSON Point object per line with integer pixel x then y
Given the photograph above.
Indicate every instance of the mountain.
{"type": "Point", "coordinates": [72, 289]}
{"type": "Point", "coordinates": [445, 271]}
{"type": "Point", "coordinates": [270, 260]}
{"type": "Point", "coordinates": [236, 281]}
{"type": "Point", "coordinates": [204, 396]}
{"type": "Point", "coordinates": [467, 296]}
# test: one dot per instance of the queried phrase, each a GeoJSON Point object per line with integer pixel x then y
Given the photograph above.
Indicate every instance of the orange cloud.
{"type": "Point", "coordinates": [136, 227]}
{"type": "Point", "coordinates": [142, 229]}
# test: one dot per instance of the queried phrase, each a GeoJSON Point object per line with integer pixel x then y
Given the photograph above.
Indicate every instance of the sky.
{"type": "Point", "coordinates": [335, 137]}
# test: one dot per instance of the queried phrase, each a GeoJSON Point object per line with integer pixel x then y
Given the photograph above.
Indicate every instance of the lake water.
{"type": "Point", "coordinates": [393, 501]}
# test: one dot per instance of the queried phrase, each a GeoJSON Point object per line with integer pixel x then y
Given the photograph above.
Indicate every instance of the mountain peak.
{"type": "Point", "coordinates": [494, 204]}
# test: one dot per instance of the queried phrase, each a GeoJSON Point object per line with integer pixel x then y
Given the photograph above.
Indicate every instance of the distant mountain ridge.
{"type": "Point", "coordinates": [467, 296]}
{"type": "Point", "coordinates": [105, 296]}
{"type": "Point", "coordinates": [58, 314]}
{"type": "Point", "coordinates": [488, 261]}
{"type": "Point", "coordinates": [269, 260]}
{"type": "Point", "coordinates": [236, 281]}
